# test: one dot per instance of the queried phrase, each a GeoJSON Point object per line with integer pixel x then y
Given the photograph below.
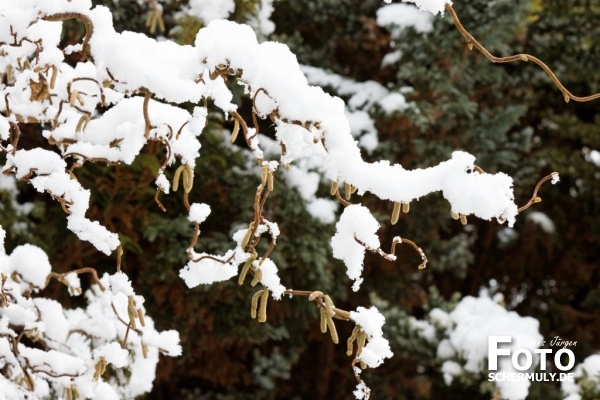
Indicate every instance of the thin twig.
{"type": "Point", "coordinates": [472, 42]}
{"type": "Point", "coordinates": [85, 270]}
{"type": "Point", "coordinates": [160, 205]}
{"type": "Point", "coordinates": [534, 198]}
{"type": "Point", "coordinates": [87, 23]}
{"type": "Point", "coordinates": [148, 125]}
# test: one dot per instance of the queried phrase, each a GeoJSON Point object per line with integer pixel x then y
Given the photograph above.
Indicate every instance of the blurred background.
{"type": "Point", "coordinates": [414, 93]}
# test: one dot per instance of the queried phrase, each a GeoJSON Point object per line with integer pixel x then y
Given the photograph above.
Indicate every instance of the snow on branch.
{"type": "Point", "coordinates": [72, 347]}
{"type": "Point", "coordinates": [130, 90]}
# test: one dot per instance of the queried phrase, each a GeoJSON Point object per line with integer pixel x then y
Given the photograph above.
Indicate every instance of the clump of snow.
{"type": "Point", "coordinates": [31, 263]}
{"type": "Point", "coordinates": [432, 6]}
{"type": "Point", "coordinates": [356, 224]}
{"type": "Point", "coordinates": [163, 183]}
{"type": "Point", "coordinates": [269, 277]}
{"type": "Point", "coordinates": [113, 353]}
{"type": "Point", "coordinates": [4, 128]}
{"type": "Point", "coordinates": [93, 232]}
{"type": "Point", "coordinates": [40, 161]}
{"type": "Point", "coordinates": [362, 391]}
{"type": "Point", "coordinates": [398, 17]}
{"type": "Point", "coordinates": [133, 61]}
{"type": "Point", "coordinates": [120, 283]}
{"type": "Point", "coordinates": [199, 212]}
{"type": "Point", "coordinates": [208, 10]}
{"type": "Point", "coordinates": [73, 283]}
{"type": "Point", "coordinates": [208, 268]}
{"type": "Point", "coordinates": [377, 348]}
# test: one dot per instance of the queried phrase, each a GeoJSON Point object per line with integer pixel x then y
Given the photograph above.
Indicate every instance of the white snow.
{"type": "Point", "coordinates": [113, 353]}
{"type": "Point", "coordinates": [377, 348]}
{"type": "Point", "coordinates": [356, 223]}
{"type": "Point", "coordinates": [199, 212]}
{"type": "Point", "coordinates": [269, 277]}
{"type": "Point", "coordinates": [208, 10]}
{"type": "Point", "coordinates": [401, 16]}
{"type": "Point", "coordinates": [433, 6]}
{"type": "Point", "coordinates": [209, 269]}
{"type": "Point", "coordinates": [31, 263]}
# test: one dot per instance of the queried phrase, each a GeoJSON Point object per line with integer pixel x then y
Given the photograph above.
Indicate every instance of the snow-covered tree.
{"type": "Point", "coordinates": [114, 98]}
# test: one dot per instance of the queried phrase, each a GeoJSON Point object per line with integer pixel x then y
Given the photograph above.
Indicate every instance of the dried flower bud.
{"type": "Point", "coordinates": [328, 306]}
{"type": "Point", "coordinates": [75, 97]}
{"type": "Point", "coordinates": [396, 212]}
{"type": "Point", "coordinates": [254, 304]}
{"type": "Point", "coordinates": [332, 330]}
{"type": "Point", "coordinates": [262, 311]}
{"type": "Point", "coordinates": [100, 368]}
{"type": "Point", "coordinates": [334, 188]}
{"type": "Point", "coordinates": [361, 340]}
{"type": "Point", "coordinates": [188, 178]}
{"type": "Point", "coordinates": [342, 313]}
{"type": "Point", "coordinates": [347, 190]}
{"type": "Point", "coordinates": [236, 130]}
{"type": "Point", "coordinates": [247, 236]}
{"type": "Point", "coordinates": [314, 295]}
{"type": "Point", "coordinates": [245, 269]}
{"type": "Point", "coordinates": [270, 180]}
{"type": "Point", "coordinates": [405, 207]}
{"type": "Point", "coordinates": [323, 325]}
{"type": "Point", "coordinates": [141, 317]}
{"type": "Point", "coordinates": [82, 123]}
{"type": "Point", "coordinates": [351, 340]}
{"type": "Point", "coordinates": [257, 277]}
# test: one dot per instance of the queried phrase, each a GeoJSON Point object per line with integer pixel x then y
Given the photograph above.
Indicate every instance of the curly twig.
{"type": "Point", "coordinates": [87, 23]}
{"type": "Point", "coordinates": [534, 198]}
{"type": "Point", "coordinates": [472, 42]}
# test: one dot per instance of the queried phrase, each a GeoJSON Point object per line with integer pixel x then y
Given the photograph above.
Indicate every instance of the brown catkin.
{"type": "Point", "coordinates": [262, 311]}
{"type": "Point", "coordinates": [396, 212]}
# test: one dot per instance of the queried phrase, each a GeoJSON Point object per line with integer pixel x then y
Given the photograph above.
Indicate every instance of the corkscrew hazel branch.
{"type": "Point", "coordinates": [472, 42]}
